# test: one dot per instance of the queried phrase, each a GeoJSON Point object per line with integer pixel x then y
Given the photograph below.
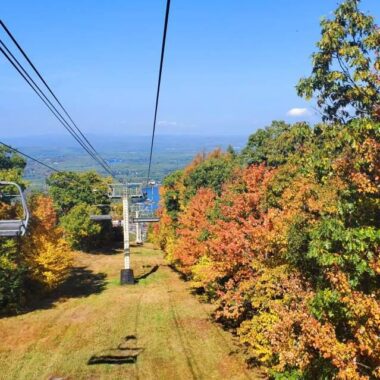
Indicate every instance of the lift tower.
{"type": "Point", "coordinates": [126, 274]}
{"type": "Point", "coordinates": [135, 210]}
{"type": "Point", "coordinates": [123, 192]}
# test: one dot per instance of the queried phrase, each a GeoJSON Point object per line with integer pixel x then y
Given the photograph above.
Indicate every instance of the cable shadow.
{"type": "Point", "coordinates": [147, 274]}
{"type": "Point", "coordinates": [180, 274]}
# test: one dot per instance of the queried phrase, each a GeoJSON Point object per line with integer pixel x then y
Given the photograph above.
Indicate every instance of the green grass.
{"type": "Point", "coordinates": [157, 322]}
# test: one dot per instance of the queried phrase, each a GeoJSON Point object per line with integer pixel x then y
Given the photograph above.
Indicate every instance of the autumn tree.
{"type": "Point", "coordinates": [42, 259]}
{"type": "Point", "coordinates": [346, 66]}
{"type": "Point", "coordinates": [46, 253]}
{"type": "Point", "coordinates": [12, 267]}
{"type": "Point", "coordinates": [287, 246]}
{"type": "Point", "coordinates": [193, 230]}
{"type": "Point", "coordinates": [289, 255]}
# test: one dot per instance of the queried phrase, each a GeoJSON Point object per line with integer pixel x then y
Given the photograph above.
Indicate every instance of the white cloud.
{"type": "Point", "coordinates": [297, 112]}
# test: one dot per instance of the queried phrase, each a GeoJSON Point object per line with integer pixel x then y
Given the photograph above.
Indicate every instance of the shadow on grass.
{"type": "Point", "coordinates": [199, 291]}
{"type": "Point", "coordinates": [126, 354]}
{"type": "Point", "coordinates": [112, 249]}
{"type": "Point", "coordinates": [181, 275]}
{"type": "Point", "coordinates": [81, 282]}
{"type": "Point", "coordinates": [147, 274]}
{"type": "Point", "coordinates": [136, 245]}
{"type": "Point", "coordinates": [113, 359]}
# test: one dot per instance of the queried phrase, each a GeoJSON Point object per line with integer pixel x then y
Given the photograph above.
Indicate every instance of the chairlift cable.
{"type": "Point", "coordinates": [38, 162]}
{"type": "Point", "coordinates": [159, 85]}
{"type": "Point", "coordinates": [31, 158]}
{"type": "Point", "coordinates": [52, 93]}
{"type": "Point", "coordinates": [54, 111]}
{"type": "Point", "coordinates": [68, 127]}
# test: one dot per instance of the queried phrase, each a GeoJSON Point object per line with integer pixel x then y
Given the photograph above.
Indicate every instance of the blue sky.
{"type": "Point", "coordinates": [230, 68]}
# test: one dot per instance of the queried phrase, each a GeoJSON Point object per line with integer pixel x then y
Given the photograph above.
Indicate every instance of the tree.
{"type": "Point", "coordinates": [12, 267]}
{"type": "Point", "coordinates": [345, 75]}
{"type": "Point", "coordinates": [212, 172]}
{"type": "Point", "coordinates": [276, 143]}
{"type": "Point", "coordinates": [69, 189]}
{"type": "Point", "coordinates": [287, 249]}
{"type": "Point", "coordinates": [76, 196]}
{"type": "Point", "coordinates": [255, 150]}
{"type": "Point", "coordinates": [289, 255]}
{"type": "Point", "coordinates": [193, 230]}
{"type": "Point", "coordinates": [11, 160]}
{"type": "Point", "coordinates": [171, 195]}
{"type": "Point", "coordinates": [80, 231]}
{"type": "Point", "coordinates": [231, 151]}
{"type": "Point", "coordinates": [46, 253]}
{"type": "Point", "coordinates": [12, 276]}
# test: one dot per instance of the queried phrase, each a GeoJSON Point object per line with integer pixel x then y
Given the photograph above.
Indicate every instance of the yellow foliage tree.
{"type": "Point", "coordinates": [46, 253]}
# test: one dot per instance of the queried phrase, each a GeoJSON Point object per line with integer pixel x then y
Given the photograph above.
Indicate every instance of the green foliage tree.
{"type": "Point", "coordinates": [11, 165]}
{"type": "Point", "coordinates": [12, 275]}
{"type": "Point", "coordinates": [69, 189]}
{"type": "Point", "coordinates": [11, 160]}
{"type": "Point", "coordinates": [76, 196]}
{"type": "Point", "coordinates": [274, 144]}
{"type": "Point", "coordinates": [172, 195]}
{"type": "Point", "coordinates": [80, 231]}
{"type": "Point", "coordinates": [231, 151]}
{"type": "Point", "coordinates": [345, 74]}
{"type": "Point", "coordinates": [212, 173]}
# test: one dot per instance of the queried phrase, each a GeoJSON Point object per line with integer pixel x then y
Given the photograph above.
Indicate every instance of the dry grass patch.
{"type": "Point", "coordinates": [96, 329]}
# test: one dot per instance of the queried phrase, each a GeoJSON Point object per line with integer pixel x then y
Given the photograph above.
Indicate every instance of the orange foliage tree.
{"type": "Point", "coordinates": [290, 255]}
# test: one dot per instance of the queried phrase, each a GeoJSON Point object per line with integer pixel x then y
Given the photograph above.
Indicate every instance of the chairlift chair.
{"type": "Point", "coordinates": [14, 227]}
{"type": "Point", "coordinates": [101, 217]}
{"type": "Point", "coordinates": [134, 190]}
{"type": "Point", "coordinates": [139, 198]}
{"type": "Point", "coordinates": [116, 190]}
{"type": "Point", "coordinates": [143, 213]}
{"type": "Point", "coordinates": [136, 193]}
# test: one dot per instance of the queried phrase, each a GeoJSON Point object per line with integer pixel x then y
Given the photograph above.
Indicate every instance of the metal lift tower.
{"type": "Point", "coordinates": [126, 274]}
{"type": "Point", "coordinates": [133, 200]}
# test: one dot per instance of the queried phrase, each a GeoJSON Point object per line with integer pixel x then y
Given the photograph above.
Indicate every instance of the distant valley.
{"type": "Point", "coordinates": [127, 155]}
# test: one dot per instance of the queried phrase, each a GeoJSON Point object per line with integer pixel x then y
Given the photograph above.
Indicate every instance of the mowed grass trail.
{"type": "Point", "coordinates": [96, 329]}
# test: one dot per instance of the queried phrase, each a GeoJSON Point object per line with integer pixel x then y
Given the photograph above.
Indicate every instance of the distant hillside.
{"type": "Point", "coordinates": [127, 155]}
